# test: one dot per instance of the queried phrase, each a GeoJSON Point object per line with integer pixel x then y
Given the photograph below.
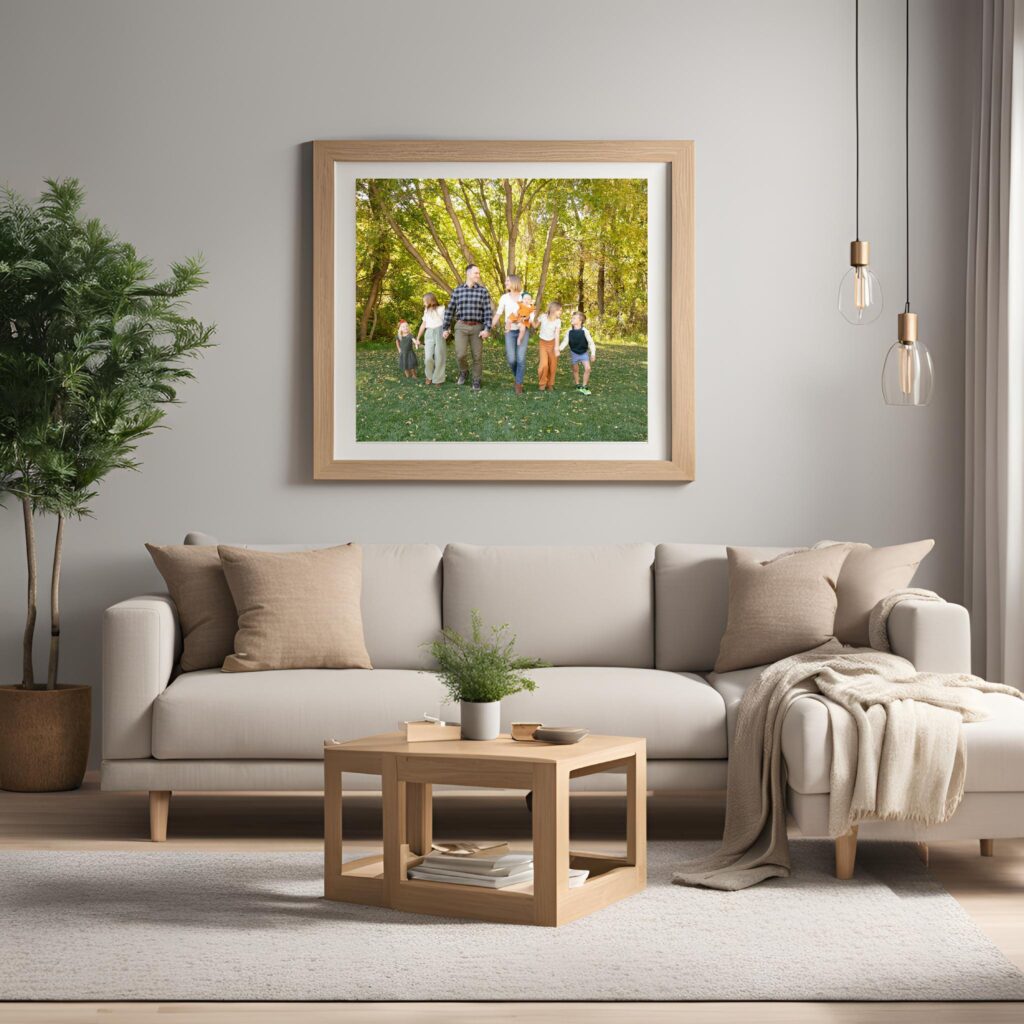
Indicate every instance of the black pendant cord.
{"type": "Point", "coordinates": [906, 130]}
{"type": "Point", "coordinates": [856, 102]}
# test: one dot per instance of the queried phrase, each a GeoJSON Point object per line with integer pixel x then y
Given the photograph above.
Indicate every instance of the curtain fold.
{"type": "Point", "coordinates": [994, 377]}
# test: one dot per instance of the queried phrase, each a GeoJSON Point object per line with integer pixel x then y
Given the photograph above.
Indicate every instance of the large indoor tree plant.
{"type": "Point", "coordinates": [92, 347]}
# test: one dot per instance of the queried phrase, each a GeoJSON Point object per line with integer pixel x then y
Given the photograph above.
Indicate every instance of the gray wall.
{"type": "Point", "coordinates": [188, 123]}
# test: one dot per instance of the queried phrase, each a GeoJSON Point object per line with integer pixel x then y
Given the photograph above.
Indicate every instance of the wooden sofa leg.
{"type": "Point", "coordinates": [846, 854]}
{"type": "Point", "coordinates": [159, 807]}
{"type": "Point", "coordinates": [988, 847]}
{"type": "Point", "coordinates": [922, 852]}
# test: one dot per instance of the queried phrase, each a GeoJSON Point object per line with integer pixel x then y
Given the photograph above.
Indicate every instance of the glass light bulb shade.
{"type": "Point", "coordinates": [860, 296]}
{"type": "Point", "coordinates": [907, 376]}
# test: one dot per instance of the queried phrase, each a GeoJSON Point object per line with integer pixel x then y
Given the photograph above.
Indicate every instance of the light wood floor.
{"type": "Point", "coordinates": [990, 889]}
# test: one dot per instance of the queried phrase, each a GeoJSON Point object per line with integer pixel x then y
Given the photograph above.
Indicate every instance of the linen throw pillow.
{"type": "Point", "coordinates": [868, 575]}
{"type": "Point", "coordinates": [200, 593]}
{"type": "Point", "coordinates": [780, 607]}
{"type": "Point", "coordinates": [296, 609]}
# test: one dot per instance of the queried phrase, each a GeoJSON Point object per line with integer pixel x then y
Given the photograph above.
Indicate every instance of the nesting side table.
{"type": "Point", "coordinates": [408, 771]}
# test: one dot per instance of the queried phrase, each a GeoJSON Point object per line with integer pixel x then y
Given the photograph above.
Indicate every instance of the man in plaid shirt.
{"type": "Point", "coordinates": [470, 310]}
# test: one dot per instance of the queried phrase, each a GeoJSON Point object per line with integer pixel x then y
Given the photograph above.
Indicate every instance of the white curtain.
{"type": "Point", "coordinates": [994, 525]}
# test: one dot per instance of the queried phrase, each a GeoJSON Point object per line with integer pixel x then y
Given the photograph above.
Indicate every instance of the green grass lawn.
{"type": "Point", "coordinates": [392, 408]}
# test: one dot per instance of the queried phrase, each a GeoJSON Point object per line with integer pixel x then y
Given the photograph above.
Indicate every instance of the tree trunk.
{"type": "Point", "coordinates": [515, 218]}
{"type": "Point", "coordinates": [510, 227]}
{"type": "Point", "coordinates": [485, 245]}
{"type": "Point", "coordinates": [58, 550]}
{"type": "Point", "coordinates": [492, 233]}
{"type": "Point", "coordinates": [373, 299]}
{"type": "Point", "coordinates": [434, 234]}
{"type": "Point", "coordinates": [600, 288]}
{"type": "Point", "coordinates": [456, 223]}
{"type": "Point", "coordinates": [28, 678]}
{"type": "Point", "coordinates": [432, 274]}
{"type": "Point", "coordinates": [580, 297]}
{"type": "Point", "coordinates": [547, 257]}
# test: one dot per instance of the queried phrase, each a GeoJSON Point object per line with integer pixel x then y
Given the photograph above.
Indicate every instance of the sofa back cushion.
{"type": "Point", "coordinates": [691, 585]}
{"type": "Point", "coordinates": [568, 605]}
{"type": "Point", "coordinates": [401, 599]}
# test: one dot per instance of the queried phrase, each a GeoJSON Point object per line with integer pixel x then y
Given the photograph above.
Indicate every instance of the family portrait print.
{"type": "Point", "coordinates": [501, 309]}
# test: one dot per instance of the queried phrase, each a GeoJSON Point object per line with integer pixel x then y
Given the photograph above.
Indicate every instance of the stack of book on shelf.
{"type": "Point", "coordinates": [491, 868]}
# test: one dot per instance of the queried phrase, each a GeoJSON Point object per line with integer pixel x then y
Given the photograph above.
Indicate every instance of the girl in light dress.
{"type": "Point", "coordinates": [435, 349]}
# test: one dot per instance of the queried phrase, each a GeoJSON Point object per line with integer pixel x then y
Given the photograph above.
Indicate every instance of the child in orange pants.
{"type": "Point", "coordinates": [550, 324]}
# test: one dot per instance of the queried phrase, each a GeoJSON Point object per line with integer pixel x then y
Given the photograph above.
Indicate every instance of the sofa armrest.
{"type": "Point", "coordinates": [932, 635]}
{"type": "Point", "coordinates": [141, 644]}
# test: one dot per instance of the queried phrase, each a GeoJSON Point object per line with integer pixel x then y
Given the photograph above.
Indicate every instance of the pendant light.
{"type": "Point", "coordinates": [907, 375]}
{"type": "Point", "coordinates": [860, 294]}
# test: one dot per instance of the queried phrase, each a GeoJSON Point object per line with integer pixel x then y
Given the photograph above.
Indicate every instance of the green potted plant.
{"type": "Point", "coordinates": [91, 349]}
{"type": "Point", "coordinates": [478, 671]}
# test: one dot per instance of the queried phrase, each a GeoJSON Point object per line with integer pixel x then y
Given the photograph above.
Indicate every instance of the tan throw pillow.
{"type": "Point", "coordinates": [296, 609]}
{"type": "Point", "coordinates": [868, 575]}
{"type": "Point", "coordinates": [196, 582]}
{"type": "Point", "coordinates": [780, 607]}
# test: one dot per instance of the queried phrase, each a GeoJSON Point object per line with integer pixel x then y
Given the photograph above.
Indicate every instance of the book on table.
{"type": "Point", "coordinates": [498, 865]}
{"type": "Point", "coordinates": [483, 881]}
{"type": "Point", "coordinates": [495, 872]}
{"type": "Point", "coordinates": [474, 850]}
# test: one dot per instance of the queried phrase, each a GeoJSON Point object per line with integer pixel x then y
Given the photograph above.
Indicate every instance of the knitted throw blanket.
{"type": "Point", "coordinates": [897, 749]}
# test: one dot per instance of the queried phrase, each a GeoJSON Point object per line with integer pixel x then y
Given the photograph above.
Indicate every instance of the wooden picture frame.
{"type": "Point", "coordinates": [678, 156]}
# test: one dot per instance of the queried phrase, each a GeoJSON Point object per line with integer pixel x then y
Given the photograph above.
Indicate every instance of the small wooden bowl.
{"type": "Point", "coordinates": [523, 731]}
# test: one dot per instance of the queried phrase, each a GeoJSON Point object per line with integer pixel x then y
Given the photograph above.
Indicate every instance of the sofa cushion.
{"type": "Point", "coordinates": [868, 574]}
{"type": "Point", "coordinates": [679, 715]}
{"type": "Point", "coordinates": [994, 748]}
{"type": "Point", "coordinates": [289, 714]}
{"type": "Point", "coordinates": [567, 605]}
{"type": "Point", "coordinates": [782, 606]}
{"type": "Point", "coordinates": [206, 610]}
{"type": "Point", "coordinates": [731, 686]}
{"type": "Point", "coordinates": [284, 714]}
{"type": "Point", "coordinates": [296, 609]}
{"type": "Point", "coordinates": [691, 586]}
{"type": "Point", "coordinates": [401, 585]}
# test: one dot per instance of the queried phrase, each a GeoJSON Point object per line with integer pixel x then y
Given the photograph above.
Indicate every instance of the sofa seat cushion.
{"type": "Point", "coordinates": [731, 686]}
{"type": "Point", "coordinates": [995, 748]}
{"type": "Point", "coordinates": [289, 714]}
{"type": "Point", "coordinates": [678, 714]}
{"type": "Point", "coordinates": [284, 714]}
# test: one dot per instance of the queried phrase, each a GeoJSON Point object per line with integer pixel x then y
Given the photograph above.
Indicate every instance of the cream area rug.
{"type": "Point", "coordinates": [167, 925]}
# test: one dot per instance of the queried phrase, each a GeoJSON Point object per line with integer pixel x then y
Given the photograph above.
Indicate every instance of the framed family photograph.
{"type": "Point", "coordinates": [503, 310]}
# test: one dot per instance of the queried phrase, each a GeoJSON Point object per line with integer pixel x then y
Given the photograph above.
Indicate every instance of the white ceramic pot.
{"type": "Point", "coordinates": [480, 721]}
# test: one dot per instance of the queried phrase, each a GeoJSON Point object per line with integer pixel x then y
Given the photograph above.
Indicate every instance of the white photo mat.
{"type": "Point", "coordinates": [655, 448]}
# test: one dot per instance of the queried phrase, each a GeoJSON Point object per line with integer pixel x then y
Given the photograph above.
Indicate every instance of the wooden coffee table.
{"type": "Point", "coordinates": [407, 772]}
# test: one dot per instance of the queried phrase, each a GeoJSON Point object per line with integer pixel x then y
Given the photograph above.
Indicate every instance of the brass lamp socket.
{"type": "Point", "coordinates": [906, 328]}
{"type": "Point", "coordinates": [860, 253]}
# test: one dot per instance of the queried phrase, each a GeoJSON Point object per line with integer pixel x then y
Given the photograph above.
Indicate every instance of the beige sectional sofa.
{"type": "Point", "coordinates": [631, 630]}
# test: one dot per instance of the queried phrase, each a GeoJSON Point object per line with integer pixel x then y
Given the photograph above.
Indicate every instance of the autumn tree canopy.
{"type": "Point", "coordinates": [582, 241]}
